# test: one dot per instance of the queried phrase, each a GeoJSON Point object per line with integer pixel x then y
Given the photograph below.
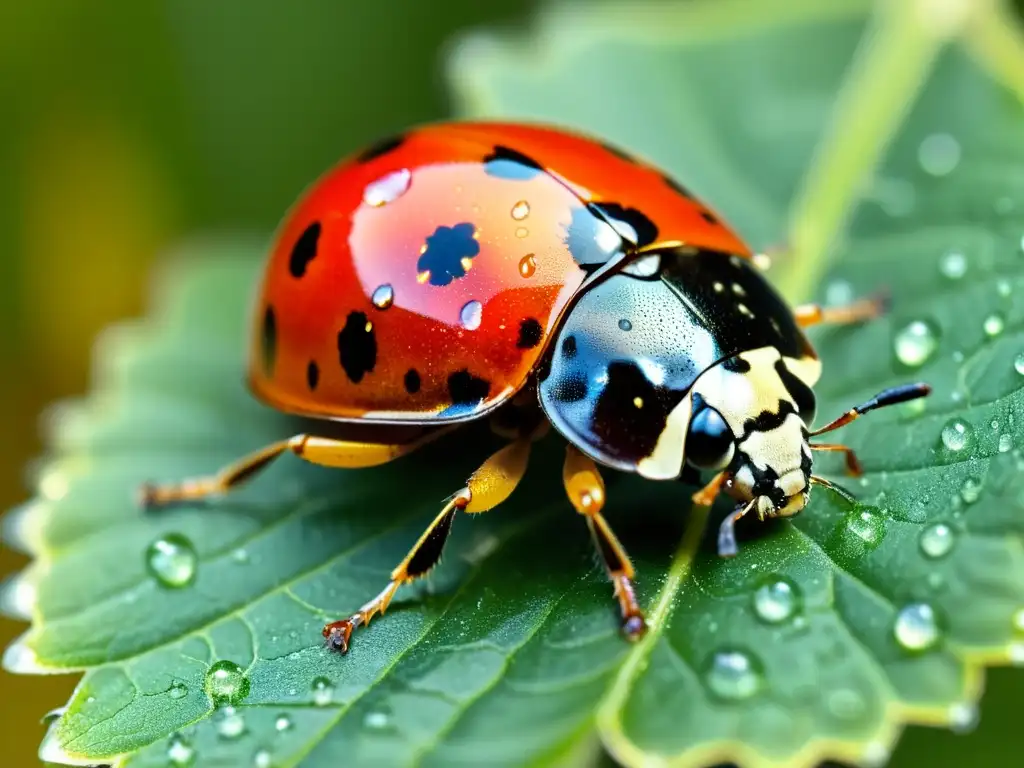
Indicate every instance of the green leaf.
{"type": "Point", "coordinates": [509, 654]}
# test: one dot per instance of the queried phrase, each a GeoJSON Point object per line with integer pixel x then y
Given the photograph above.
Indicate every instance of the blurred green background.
{"type": "Point", "coordinates": [129, 125]}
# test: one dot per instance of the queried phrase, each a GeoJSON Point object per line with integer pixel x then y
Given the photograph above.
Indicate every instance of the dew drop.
{"type": "Point", "coordinates": [172, 560]}
{"type": "Point", "coordinates": [953, 265]}
{"type": "Point", "coordinates": [261, 759]}
{"type": "Point", "coordinates": [1003, 287]}
{"type": "Point", "coordinates": [916, 627]}
{"type": "Point", "coordinates": [936, 540]}
{"type": "Point", "coordinates": [938, 154]}
{"type": "Point", "coordinates": [387, 188]}
{"type": "Point", "coordinates": [1018, 363]}
{"type": "Point", "coordinates": [282, 723]}
{"type": "Point", "coordinates": [522, 232]}
{"type": "Point", "coordinates": [240, 556]}
{"type": "Point", "coordinates": [993, 324]}
{"type": "Point", "coordinates": [383, 297]}
{"type": "Point", "coordinates": [520, 210]}
{"type": "Point", "coordinates": [1005, 442]}
{"type": "Point", "coordinates": [528, 265]}
{"type": "Point", "coordinates": [376, 720]}
{"type": "Point", "coordinates": [915, 343]}
{"type": "Point", "coordinates": [625, 325]}
{"type": "Point", "coordinates": [323, 691]}
{"type": "Point", "coordinates": [876, 755]}
{"type": "Point", "coordinates": [229, 722]}
{"type": "Point", "coordinates": [956, 435]}
{"type": "Point", "coordinates": [867, 526]}
{"type": "Point", "coordinates": [970, 491]}
{"type": "Point", "coordinates": [963, 717]}
{"type": "Point", "coordinates": [179, 752]}
{"type": "Point", "coordinates": [226, 682]}
{"type": "Point", "coordinates": [776, 601]}
{"type": "Point", "coordinates": [178, 690]}
{"type": "Point", "coordinates": [846, 704]}
{"type": "Point", "coordinates": [471, 315]}
{"type": "Point", "coordinates": [733, 675]}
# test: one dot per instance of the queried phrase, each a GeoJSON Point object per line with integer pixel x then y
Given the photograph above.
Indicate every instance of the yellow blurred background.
{"type": "Point", "coordinates": [128, 125]}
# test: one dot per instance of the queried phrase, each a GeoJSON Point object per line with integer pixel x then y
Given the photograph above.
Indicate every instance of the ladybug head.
{"type": "Point", "coordinates": [749, 418]}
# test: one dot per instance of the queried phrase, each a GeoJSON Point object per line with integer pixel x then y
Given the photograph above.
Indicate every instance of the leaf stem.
{"type": "Point", "coordinates": [892, 63]}
{"type": "Point", "coordinates": [609, 722]}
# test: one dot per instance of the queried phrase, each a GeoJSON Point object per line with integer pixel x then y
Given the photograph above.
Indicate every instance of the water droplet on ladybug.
{"type": "Point", "coordinates": [938, 154]}
{"type": "Point", "coordinates": [916, 627]}
{"type": "Point", "coordinates": [387, 188]}
{"type": "Point", "coordinates": [471, 315]}
{"type": "Point", "coordinates": [383, 297]}
{"type": "Point", "coordinates": [522, 232]}
{"type": "Point", "coordinates": [520, 210]}
{"type": "Point", "coordinates": [625, 325]}
{"type": "Point", "coordinates": [527, 265]}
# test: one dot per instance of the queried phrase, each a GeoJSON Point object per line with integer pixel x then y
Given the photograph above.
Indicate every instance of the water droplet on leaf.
{"type": "Point", "coordinates": [937, 540]}
{"type": "Point", "coordinates": [178, 691]}
{"type": "Point", "coordinates": [323, 691]}
{"type": "Point", "coordinates": [915, 343]}
{"type": "Point", "coordinates": [376, 720]}
{"type": "Point", "coordinates": [776, 601]}
{"type": "Point", "coordinates": [172, 560]}
{"type": "Point", "coordinates": [733, 675]}
{"type": "Point", "coordinates": [993, 324]}
{"type": "Point", "coordinates": [916, 627]}
{"type": "Point", "coordinates": [226, 682]}
{"type": "Point", "coordinates": [229, 722]}
{"type": "Point", "coordinates": [956, 435]}
{"type": "Point", "coordinates": [970, 491]}
{"type": "Point", "coordinates": [261, 759]}
{"type": "Point", "coordinates": [953, 265]}
{"type": "Point", "coordinates": [939, 154]}
{"type": "Point", "coordinates": [282, 723]}
{"type": "Point", "coordinates": [179, 752]}
{"type": "Point", "coordinates": [846, 704]}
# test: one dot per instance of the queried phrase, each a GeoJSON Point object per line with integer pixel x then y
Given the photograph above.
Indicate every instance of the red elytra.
{"type": "Point", "coordinates": [420, 280]}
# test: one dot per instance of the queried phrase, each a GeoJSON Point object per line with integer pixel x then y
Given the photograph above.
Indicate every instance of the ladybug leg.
{"type": "Point", "coordinates": [883, 399]}
{"type": "Point", "coordinates": [706, 496]}
{"type": "Point", "coordinates": [585, 489]}
{"type": "Point", "coordinates": [488, 487]}
{"type": "Point", "coordinates": [814, 314]}
{"type": "Point", "coordinates": [853, 467]}
{"type": "Point", "coordinates": [316, 450]}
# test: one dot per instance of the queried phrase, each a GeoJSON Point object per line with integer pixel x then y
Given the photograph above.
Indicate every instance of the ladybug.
{"type": "Point", "coordinates": [534, 276]}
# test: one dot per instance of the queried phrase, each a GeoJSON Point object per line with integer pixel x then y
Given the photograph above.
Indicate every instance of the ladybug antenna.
{"type": "Point", "coordinates": [887, 397]}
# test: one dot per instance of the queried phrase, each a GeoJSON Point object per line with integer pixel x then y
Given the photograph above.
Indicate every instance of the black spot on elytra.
{"type": "Point", "coordinates": [530, 332]}
{"type": "Point", "coordinates": [381, 148]}
{"type": "Point", "coordinates": [304, 250]}
{"type": "Point", "coordinates": [736, 364]}
{"type": "Point", "coordinates": [507, 163]}
{"type": "Point", "coordinates": [466, 389]}
{"type": "Point", "coordinates": [268, 341]}
{"type": "Point", "coordinates": [312, 374]}
{"type": "Point", "coordinates": [446, 249]}
{"type": "Point", "coordinates": [412, 381]}
{"type": "Point", "coordinates": [676, 187]}
{"type": "Point", "coordinates": [646, 230]}
{"type": "Point", "coordinates": [802, 395]}
{"type": "Point", "coordinates": [709, 217]}
{"type": "Point", "coordinates": [357, 347]}
{"type": "Point", "coordinates": [429, 552]}
{"type": "Point", "coordinates": [569, 346]}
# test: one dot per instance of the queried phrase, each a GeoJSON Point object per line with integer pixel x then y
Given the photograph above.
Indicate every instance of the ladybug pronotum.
{"type": "Point", "coordinates": [464, 271]}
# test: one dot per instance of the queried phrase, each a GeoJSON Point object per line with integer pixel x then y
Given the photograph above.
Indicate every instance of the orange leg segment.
{"type": "Point", "coordinates": [488, 487]}
{"type": "Point", "coordinates": [585, 488]}
{"type": "Point", "coordinates": [853, 467]}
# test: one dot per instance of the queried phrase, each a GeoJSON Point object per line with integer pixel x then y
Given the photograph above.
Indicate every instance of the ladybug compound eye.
{"type": "Point", "coordinates": [709, 443]}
